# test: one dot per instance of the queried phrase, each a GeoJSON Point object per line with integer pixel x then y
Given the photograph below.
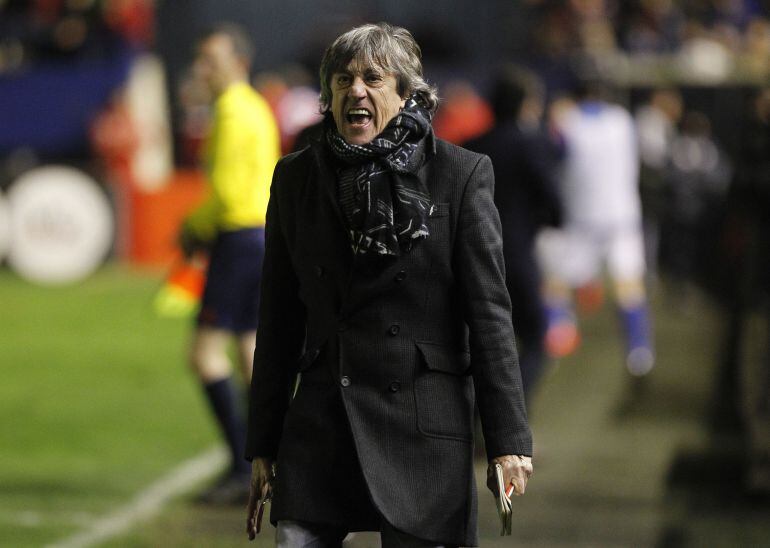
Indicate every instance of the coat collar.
{"type": "Point", "coordinates": [327, 179]}
{"type": "Point", "coordinates": [359, 286]}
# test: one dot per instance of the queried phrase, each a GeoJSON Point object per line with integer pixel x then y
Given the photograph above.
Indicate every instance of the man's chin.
{"type": "Point", "coordinates": [358, 135]}
{"type": "Point", "coordinates": [359, 138]}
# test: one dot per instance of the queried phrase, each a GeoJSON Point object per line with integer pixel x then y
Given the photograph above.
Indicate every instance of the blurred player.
{"type": "Point", "coordinates": [602, 224]}
{"type": "Point", "coordinates": [656, 128]}
{"type": "Point", "coordinates": [697, 181]}
{"type": "Point", "coordinates": [240, 154]}
{"type": "Point", "coordinates": [526, 197]}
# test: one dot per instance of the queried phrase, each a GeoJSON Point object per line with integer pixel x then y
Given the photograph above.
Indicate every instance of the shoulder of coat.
{"type": "Point", "coordinates": [456, 158]}
{"type": "Point", "coordinates": [292, 166]}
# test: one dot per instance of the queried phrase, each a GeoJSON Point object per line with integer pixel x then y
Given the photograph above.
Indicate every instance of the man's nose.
{"type": "Point", "coordinates": [357, 88]}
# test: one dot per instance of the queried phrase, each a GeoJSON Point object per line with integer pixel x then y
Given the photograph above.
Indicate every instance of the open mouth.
{"type": "Point", "coordinates": [358, 116]}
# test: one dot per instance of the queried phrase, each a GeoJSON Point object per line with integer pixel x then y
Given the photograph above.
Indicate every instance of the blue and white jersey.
{"type": "Point", "coordinates": [599, 181]}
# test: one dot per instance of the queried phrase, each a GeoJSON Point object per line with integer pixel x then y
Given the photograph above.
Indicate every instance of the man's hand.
{"type": "Point", "coordinates": [188, 242]}
{"type": "Point", "coordinates": [260, 489]}
{"type": "Point", "coordinates": [516, 471]}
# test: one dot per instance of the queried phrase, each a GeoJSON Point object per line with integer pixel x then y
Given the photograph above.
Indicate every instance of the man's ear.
{"type": "Point", "coordinates": [403, 92]}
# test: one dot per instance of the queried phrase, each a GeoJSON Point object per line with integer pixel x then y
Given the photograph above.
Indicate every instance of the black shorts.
{"type": "Point", "coordinates": [231, 296]}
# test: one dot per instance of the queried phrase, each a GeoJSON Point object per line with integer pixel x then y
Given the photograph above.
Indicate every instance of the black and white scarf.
{"type": "Point", "coordinates": [386, 205]}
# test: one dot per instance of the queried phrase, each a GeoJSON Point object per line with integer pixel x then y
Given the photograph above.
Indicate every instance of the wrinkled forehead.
{"type": "Point", "coordinates": [364, 62]}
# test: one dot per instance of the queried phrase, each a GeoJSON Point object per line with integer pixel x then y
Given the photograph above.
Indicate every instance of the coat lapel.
{"type": "Point", "coordinates": [327, 179]}
{"type": "Point", "coordinates": [338, 232]}
{"type": "Point", "coordinates": [370, 282]}
{"type": "Point", "coordinates": [361, 284]}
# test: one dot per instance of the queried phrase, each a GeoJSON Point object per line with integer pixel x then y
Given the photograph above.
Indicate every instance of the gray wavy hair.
{"type": "Point", "coordinates": [387, 47]}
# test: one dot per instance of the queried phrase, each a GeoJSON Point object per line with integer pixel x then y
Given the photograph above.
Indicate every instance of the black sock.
{"type": "Point", "coordinates": [221, 396]}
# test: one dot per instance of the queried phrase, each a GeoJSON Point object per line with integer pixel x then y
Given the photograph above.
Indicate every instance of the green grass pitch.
{"type": "Point", "coordinates": [96, 401]}
{"type": "Point", "coordinates": [97, 404]}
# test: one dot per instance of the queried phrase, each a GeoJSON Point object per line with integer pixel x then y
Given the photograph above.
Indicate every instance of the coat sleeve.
{"type": "Point", "coordinates": [480, 271]}
{"type": "Point", "coordinates": [280, 337]}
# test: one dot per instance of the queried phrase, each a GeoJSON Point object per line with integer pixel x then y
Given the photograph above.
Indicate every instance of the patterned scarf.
{"type": "Point", "coordinates": [385, 203]}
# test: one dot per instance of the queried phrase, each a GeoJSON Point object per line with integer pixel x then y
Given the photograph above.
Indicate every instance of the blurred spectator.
{"type": "Point", "coordinates": [697, 180]}
{"type": "Point", "coordinates": [741, 405]}
{"type": "Point", "coordinates": [304, 137]}
{"type": "Point", "coordinates": [61, 64]}
{"type": "Point", "coordinates": [602, 224]}
{"type": "Point", "coordinates": [656, 127]}
{"type": "Point", "coordinates": [708, 39]}
{"type": "Point", "coordinates": [132, 134]}
{"type": "Point", "coordinates": [115, 139]}
{"type": "Point", "coordinates": [747, 229]}
{"type": "Point", "coordinates": [754, 173]}
{"type": "Point", "coordinates": [565, 27]}
{"type": "Point", "coordinates": [194, 103]}
{"type": "Point", "coordinates": [297, 110]}
{"type": "Point", "coordinates": [705, 56]}
{"type": "Point", "coordinates": [593, 20]}
{"type": "Point", "coordinates": [132, 19]}
{"type": "Point", "coordinates": [525, 196]}
{"type": "Point", "coordinates": [43, 30]}
{"type": "Point", "coordinates": [732, 13]}
{"type": "Point", "coordinates": [242, 150]}
{"type": "Point", "coordinates": [756, 48]}
{"type": "Point", "coordinates": [463, 114]}
{"type": "Point", "coordinates": [651, 26]}
{"type": "Point", "coordinates": [656, 124]}
{"type": "Point", "coordinates": [754, 180]}
{"type": "Point", "coordinates": [293, 100]}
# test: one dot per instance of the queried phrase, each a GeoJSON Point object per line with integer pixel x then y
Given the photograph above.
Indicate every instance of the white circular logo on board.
{"type": "Point", "coordinates": [61, 225]}
{"type": "Point", "coordinates": [5, 227]}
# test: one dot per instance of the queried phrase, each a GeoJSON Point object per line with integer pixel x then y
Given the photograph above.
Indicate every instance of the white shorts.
{"type": "Point", "coordinates": [577, 254]}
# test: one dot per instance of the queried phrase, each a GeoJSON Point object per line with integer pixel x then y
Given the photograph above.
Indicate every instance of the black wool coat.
{"type": "Point", "coordinates": [384, 359]}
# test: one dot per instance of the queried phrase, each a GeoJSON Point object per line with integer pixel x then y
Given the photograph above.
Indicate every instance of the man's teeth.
{"type": "Point", "coordinates": [358, 116]}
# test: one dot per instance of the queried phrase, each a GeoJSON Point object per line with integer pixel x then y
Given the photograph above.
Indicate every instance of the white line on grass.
{"type": "Point", "coordinates": [35, 518]}
{"type": "Point", "coordinates": [151, 500]}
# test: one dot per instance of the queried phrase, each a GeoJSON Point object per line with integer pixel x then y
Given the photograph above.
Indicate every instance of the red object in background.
{"type": "Point", "coordinates": [181, 292]}
{"type": "Point", "coordinates": [188, 276]}
{"type": "Point", "coordinates": [562, 339]}
{"type": "Point", "coordinates": [132, 19]}
{"type": "Point", "coordinates": [463, 115]}
{"type": "Point", "coordinates": [155, 217]}
{"type": "Point", "coordinates": [590, 297]}
{"type": "Point", "coordinates": [115, 139]}
{"type": "Point", "coordinates": [148, 220]}
{"type": "Point", "coordinates": [47, 11]}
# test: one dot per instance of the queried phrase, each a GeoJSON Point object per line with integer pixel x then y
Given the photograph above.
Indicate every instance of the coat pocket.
{"type": "Point", "coordinates": [444, 392]}
{"type": "Point", "coordinates": [308, 358]}
{"type": "Point", "coordinates": [310, 366]}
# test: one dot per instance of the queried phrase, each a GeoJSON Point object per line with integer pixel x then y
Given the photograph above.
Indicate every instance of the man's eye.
{"type": "Point", "coordinates": [343, 80]}
{"type": "Point", "coordinates": [374, 78]}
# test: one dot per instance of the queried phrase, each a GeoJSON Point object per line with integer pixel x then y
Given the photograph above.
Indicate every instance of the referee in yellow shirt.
{"type": "Point", "coordinates": [241, 152]}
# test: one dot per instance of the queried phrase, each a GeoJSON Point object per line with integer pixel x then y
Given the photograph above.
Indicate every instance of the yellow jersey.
{"type": "Point", "coordinates": [240, 154]}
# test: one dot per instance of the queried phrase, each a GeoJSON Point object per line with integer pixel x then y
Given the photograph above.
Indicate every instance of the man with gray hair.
{"type": "Point", "coordinates": [384, 315]}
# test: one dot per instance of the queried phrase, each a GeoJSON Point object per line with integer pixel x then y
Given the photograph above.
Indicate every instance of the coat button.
{"type": "Point", "coordinates": [401, 276]}
{"type": "Point", "coordinates": [319, 271]}
{"type": "Point", "coordinates": [394, 329]}
{"type": "Point", "coordinates": [342, 326]}
{"type": "Point", "coordinates": [394, 387]}
{"type": "Point", "coordinates": [345, 381]}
